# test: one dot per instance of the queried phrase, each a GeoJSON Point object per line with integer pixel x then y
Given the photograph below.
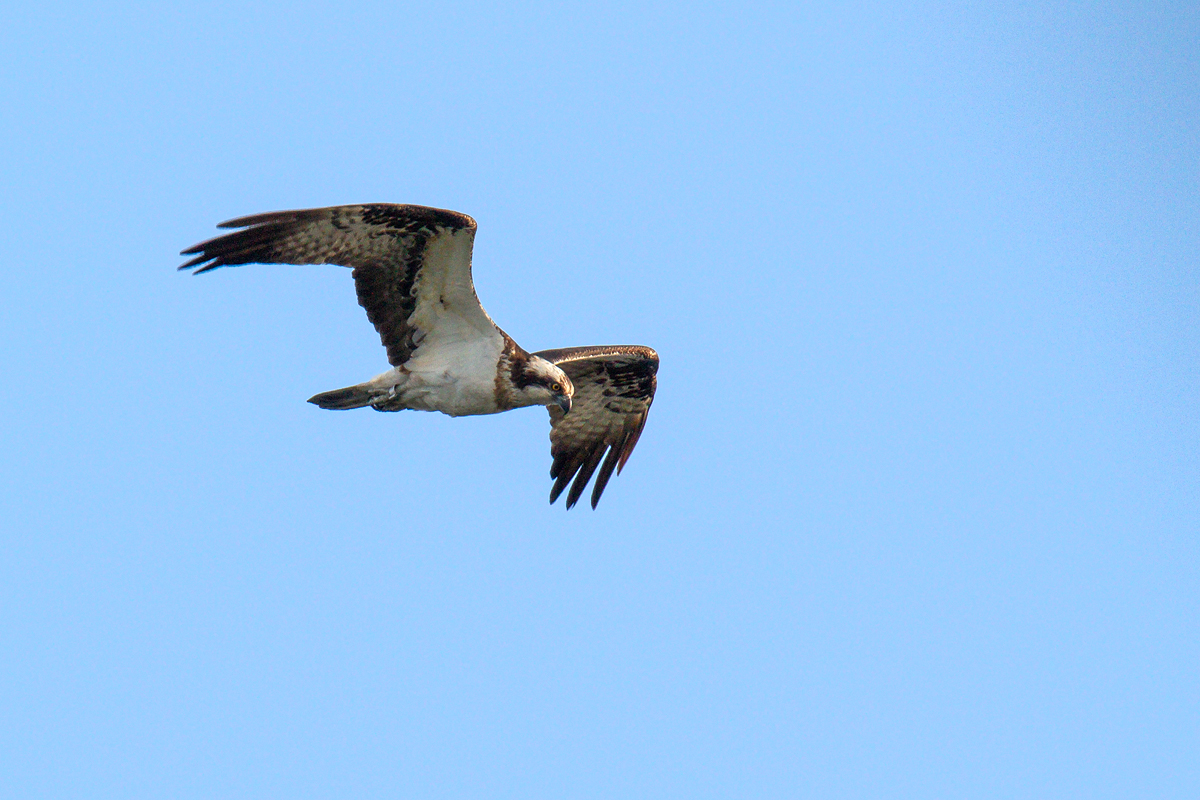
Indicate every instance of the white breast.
{"type": "Point", "coordinates": [456, 378]}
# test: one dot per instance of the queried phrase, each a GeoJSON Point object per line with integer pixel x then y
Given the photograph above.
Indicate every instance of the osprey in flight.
{"type": "Point", "coordinates": [412, 272]}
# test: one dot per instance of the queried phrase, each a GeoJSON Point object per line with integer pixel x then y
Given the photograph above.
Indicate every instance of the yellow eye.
{"type": "Point", "coordinates": [556, 388]}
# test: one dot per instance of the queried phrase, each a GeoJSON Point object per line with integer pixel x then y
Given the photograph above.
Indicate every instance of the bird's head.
{"type": "Point", "coordinates": [540, 383]}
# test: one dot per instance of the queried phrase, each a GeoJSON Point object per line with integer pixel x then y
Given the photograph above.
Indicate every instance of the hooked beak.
{"type": "Point", "coordinates": [564, 403]}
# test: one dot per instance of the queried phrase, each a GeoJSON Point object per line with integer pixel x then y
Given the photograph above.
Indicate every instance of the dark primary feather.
{"type": "Point", "coordinates": [384, 244]}
{"type": "Point", "coordinates": [614, 387]}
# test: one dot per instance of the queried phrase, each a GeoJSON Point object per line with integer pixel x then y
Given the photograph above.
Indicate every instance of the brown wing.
{"type": "Point", "coordinates": [614, 387]}
{"type": "Point", "coordinates": [399, 254]}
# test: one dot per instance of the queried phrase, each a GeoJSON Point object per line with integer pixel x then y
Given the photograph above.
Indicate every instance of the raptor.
{"type": "Point", "coordinates": [412, 273]}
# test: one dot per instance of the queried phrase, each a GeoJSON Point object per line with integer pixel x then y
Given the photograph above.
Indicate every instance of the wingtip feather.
{"type": "Point", "coordinates": [606, 471]}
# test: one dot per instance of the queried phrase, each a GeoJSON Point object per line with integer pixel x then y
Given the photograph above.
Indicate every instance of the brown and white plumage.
{"type": "Point", "coordinates": [412, 273]}
{"type": "Point", "coordinates": [614, 387]}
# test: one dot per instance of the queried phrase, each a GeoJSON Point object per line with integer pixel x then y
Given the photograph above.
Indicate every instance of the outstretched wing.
{"type": "Point", "coordinates": [412, 264]}
{"type": "Point", "coordinates": [614, 387]}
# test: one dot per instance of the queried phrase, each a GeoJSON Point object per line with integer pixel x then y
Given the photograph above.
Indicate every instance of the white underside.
{"type": "Point", "coordinates": [453, 369]}
{"type": "Point", "coordinates": [458, 381]}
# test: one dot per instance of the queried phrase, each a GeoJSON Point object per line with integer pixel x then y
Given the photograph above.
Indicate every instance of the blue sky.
{"type": "Point", "coordinates": [915, 513]}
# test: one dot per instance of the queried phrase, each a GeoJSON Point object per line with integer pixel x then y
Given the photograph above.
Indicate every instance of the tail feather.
{"type": "Point", "coordinates": [358, 396]}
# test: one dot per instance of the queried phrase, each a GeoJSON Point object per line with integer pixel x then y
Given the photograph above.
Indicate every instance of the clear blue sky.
{"type": "Point", "coordinates": [915, 514]}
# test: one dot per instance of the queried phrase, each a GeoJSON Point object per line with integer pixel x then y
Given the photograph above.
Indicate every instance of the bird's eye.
{"type": "Point", "coordinates": [556, 388]}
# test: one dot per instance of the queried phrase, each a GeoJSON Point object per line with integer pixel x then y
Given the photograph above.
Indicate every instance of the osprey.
{"type": "Point", "coordinates": [412, 273]}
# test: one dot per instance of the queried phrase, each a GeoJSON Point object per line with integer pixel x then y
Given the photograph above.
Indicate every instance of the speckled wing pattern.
{"type": "Point", "coordinates": [394, 250]}
{"type": "Point", "coordinates": [614, 387]}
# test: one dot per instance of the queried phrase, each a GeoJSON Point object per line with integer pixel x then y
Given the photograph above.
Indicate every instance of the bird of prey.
{"type": "Point", "coordinates": [412, 272]}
